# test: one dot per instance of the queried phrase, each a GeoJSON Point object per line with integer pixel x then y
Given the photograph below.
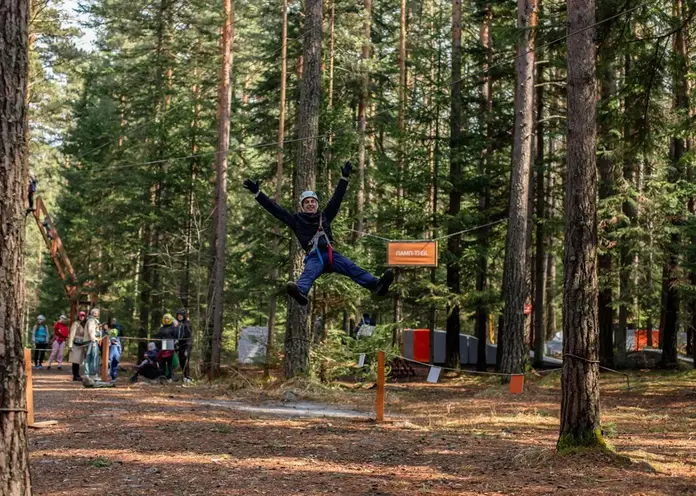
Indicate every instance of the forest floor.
{"type": "Point", "coordinates": [464, 436]}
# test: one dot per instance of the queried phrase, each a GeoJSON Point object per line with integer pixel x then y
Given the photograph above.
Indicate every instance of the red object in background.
{"type": "Point", "coordinates": [527, 309]}
{"type": "Point", "coordinates": [421, 345]}
{"type": "Point", "coordinates": [641, 340]}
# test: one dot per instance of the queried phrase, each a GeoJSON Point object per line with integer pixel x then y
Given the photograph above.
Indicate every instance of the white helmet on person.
{"type": "Point", "coordinates": [41, 318]}
{"type": "Point", "coordinates": [308, 194]}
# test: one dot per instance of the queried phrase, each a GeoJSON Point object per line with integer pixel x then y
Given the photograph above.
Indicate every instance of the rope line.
{"type": "Point", "coordinates": [580, 358]}
{"type": "Point", "coordinates": [434, 239]}
{"type": "Point", "coordinates": [463, 371]}
{"type": "Point", "coordinates": [388, 109]}
{"type": "Point", "coordinates": [13, 410]}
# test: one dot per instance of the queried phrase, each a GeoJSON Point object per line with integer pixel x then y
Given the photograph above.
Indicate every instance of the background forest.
{"type": "Point", "coordinates": [420, 96]}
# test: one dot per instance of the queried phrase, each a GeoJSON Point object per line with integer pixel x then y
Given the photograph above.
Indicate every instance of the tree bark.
{"type": "Point", "coordinates": [540, 252]}
{"type": "Point", "coordinates": [297, 330]}
{"type": "Point", "coordinates": [606, 190]}
{"type": "Point", "coordinates": [362, 114]}
{"type": "Point", "coordinates": [580, 419]}
{"type": "Point", "coordinates": [515, 351]}
{"type": "Point", "coordinates": [455, 195]}
{"type": "Point", "coordinates": [280, 155]}
{"type": "Point", "coordinates": [15, 479]}
{"type": "Point", "coordinates": [670, 275]}
{"type": "Point", "coordinates": [482, 310]}
{"type": "Point", "coordinates": [550, 309]}
{"type": "Point", "coordinates": [217, 283]}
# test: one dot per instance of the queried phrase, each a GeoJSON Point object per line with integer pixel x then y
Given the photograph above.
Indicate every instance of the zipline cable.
{"type": "Point", "coordinates": [383, 111]}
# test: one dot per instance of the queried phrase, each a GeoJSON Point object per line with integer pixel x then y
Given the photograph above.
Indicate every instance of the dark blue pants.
{"type": "Point", "coordinates": [313, 268]}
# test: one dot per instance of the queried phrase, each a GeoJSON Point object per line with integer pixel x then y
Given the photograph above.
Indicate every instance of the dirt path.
{"type": "Point", "coordinates": [463, 438]}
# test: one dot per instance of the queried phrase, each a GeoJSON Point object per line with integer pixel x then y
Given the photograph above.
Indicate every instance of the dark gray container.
{"type": "Point", "coordinates": [408, 344]}
{"type": "Point", "coordinates": [440, 346]}
{"type": "Point", "coordinates": [464, 349]}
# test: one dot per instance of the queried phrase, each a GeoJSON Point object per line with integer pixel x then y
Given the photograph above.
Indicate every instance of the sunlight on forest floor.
{"type": "Point", "coordinates": [464, 436]}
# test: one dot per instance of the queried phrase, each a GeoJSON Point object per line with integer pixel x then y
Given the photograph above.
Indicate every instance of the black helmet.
{"type": "Point", "coordinates": [181, 312]}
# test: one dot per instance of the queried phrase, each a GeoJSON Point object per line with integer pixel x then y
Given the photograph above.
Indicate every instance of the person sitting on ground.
{"type": "Point", "coordinates": [312, 228]}
{"type": "Point", "coordinates": [60, 335]}
{"type": "Point", "coordinates": [76, 345]}
{"type": "Point", "coordinates": [167, 332]}
{"type": "Point", "coordinates": [148, 368]}
{"type": "Point", "coordinates": [114, 353]}
{"type": "Point", "coordinates": [184, 344]}
{"type": "Point", "coordinates": [39, 338]}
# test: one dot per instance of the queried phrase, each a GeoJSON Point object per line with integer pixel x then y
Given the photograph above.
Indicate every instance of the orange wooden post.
{"type": "Point", "coordinates": [379, 411]}
{"type": "Point", "coordinates": [516, 383]}
{"type": "Point", "coordinates": [29, 387]}
{"type": "Point", "coordinates": [105, 359]}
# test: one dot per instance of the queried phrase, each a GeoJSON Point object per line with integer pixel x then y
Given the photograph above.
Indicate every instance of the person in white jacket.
{"type": "Point", "coordinates": [92, 334]}
{"type": "Point", "coordinates": [76, 344]}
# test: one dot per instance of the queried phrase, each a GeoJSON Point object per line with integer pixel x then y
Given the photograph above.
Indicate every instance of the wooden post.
{"type": "Point", "coordinates": [379, 410]}
{"type": "Point", "coordinates": [29, 387]}
{"type": "Point", "coordinates": [105, 359]}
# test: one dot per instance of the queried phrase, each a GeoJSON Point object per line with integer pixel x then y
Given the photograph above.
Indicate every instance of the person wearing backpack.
{"type": "Point", "coordinates": [39, 338]}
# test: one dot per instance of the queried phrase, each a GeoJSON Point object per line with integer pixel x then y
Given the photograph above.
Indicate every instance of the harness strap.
{"type": "Point", "coordinates": [315, 244]}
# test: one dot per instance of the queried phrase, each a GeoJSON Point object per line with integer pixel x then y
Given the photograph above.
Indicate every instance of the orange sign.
{"type": "Point", "coordinates": [412, 254]}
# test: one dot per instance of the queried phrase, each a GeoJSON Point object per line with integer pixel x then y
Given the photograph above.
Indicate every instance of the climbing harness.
{"type": "Point", "coordinates": [315, 245]}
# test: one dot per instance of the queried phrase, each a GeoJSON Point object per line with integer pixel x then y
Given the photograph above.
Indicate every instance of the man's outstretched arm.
{"type": "Point", "coordinates": [272, 207]}
{"type": "Point", "coordinates": [334, 204]}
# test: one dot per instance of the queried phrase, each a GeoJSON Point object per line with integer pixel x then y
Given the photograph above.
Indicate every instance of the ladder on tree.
{"type": "Point", "coordinates": [61, 260]}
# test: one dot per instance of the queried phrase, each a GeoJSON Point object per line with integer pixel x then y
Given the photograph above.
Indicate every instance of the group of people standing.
{"type": "Point", "coordinates": [84, 342]}
{"type": "Point", "coordinates": [41, 340]}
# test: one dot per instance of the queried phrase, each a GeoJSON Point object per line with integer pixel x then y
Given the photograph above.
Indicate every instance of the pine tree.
{"type": "Point", "coordinates": [15, 479]}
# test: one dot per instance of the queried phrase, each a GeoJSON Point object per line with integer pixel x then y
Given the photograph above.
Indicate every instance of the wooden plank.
{"type": "Point", "coordinates": [379, 410]}
{"type": "Point", "coordinates": [29, 390]}
{"type": "Point", "coordinates": [43, 425]}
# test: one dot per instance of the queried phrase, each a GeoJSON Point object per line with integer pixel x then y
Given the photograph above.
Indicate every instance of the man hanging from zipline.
{"type": "Point", "coordinates": [312, 227]}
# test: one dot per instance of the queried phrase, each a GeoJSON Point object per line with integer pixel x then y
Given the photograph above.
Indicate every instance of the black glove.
{"type": "Point", "coordinates": [345, 172]}
{"type": "Point", "coordinates": [252, 186]}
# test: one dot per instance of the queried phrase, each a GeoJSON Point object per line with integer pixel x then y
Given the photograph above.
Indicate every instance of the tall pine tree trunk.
{"type": "Point", "coordinates": [670, 276]}
{"type": "Point", "coordinates": [482, 310]}
{"type": "Point", "coordinates": [216, 296]}
{"type": "Point", "coordinates": [185, 291]}
{"type": "Point", "coordinates": [540, 251]}
{"type": "Point", "coordinates": [580, 420]}
{"type": "Point", "coordinates": [455, 195]}
{"type": "Point", "coordinates": [280, 155]}
{"type": "Point", "coordinates": [606, 190]}
{"type": "Point", "coordinates": [629, 213]}
{"type": "Point", "coordinates": [362, 112]}
{"type": "Point", "coordinates": [514, 352]}
{"type": "Point", "coordinates": [15, 478]}
{"type": "Point", "coordinates": [297, 331]}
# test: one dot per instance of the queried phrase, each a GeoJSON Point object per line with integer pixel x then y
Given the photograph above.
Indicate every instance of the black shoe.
{"type": "Point", "coordinates": [48, 368]}
{"type": "Point", "coordinates": [384, 283]}
{"type": "Point", "coordinates": [295, 292]}
{"type": "Point", "coordinates": [77, 379]}
{"type": "Point", "coordinates": [134, 379]}
{"type": "Point", "coordinates": [59, 367]}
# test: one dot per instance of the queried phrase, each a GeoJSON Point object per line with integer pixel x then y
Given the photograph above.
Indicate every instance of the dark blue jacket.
{"type": "Point", "coordinates": [305, 225]}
